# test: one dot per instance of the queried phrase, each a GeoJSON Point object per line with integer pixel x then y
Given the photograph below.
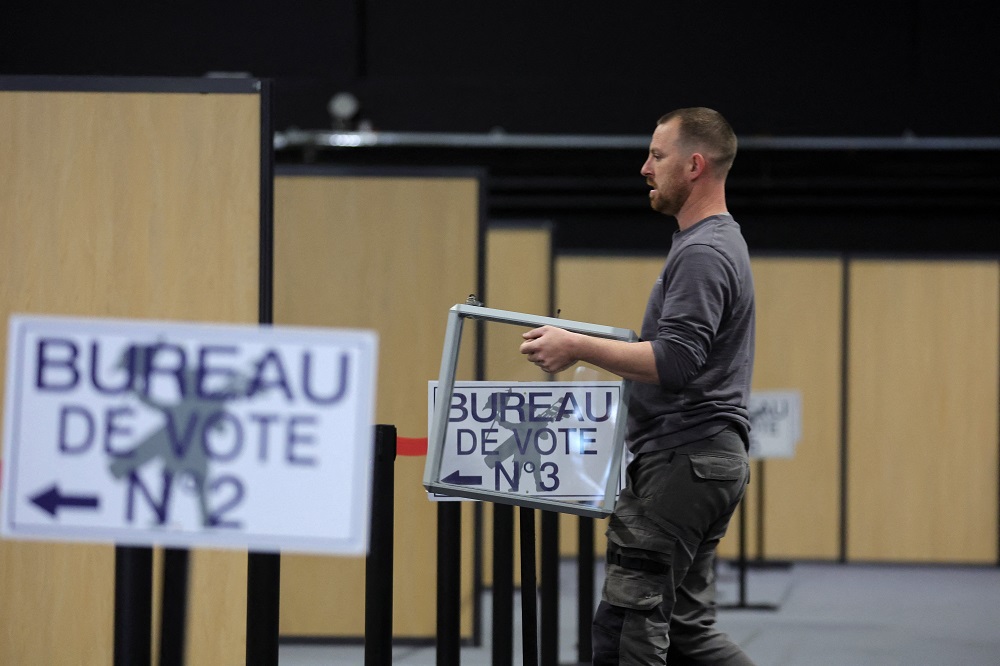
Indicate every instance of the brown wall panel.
{"type": "Point", "coordinates": [517, 279]}
{"type": "Point", "coordinates": [799, 348]}
{"type": "Point", "coordinates": [923, 396]}
{"type": "Point", "coordinates": [392, 254]}
{"type": "Point", "coordinates": [137, 205]}
{"type": "Point", "coordinates": [611, 291]}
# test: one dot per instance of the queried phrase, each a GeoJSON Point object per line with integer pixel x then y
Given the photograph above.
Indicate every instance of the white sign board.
{"type": "Point", "coordinates": [775, 423]}
{"type": "Point", "coordinates": [543, 440]}
{"type": "Point", "coordinates": [153, 433]}
{"type": "Point", "coordinates": [534, 477]}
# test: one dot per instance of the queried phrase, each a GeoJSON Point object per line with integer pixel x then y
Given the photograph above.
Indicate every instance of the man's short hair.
{"type": "Point", "coordinates": [707, 130]}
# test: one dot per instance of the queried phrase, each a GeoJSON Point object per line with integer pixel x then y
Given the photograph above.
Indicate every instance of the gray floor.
{"type": "Point", "coordinates": [851, 615]}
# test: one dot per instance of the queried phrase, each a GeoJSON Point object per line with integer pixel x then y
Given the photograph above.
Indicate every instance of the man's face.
{"type": "Point", "coordinates": [664, 170]}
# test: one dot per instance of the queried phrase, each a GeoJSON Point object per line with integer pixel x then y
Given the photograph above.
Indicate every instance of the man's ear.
{"type": "Point", "coordinates": [696, 165]}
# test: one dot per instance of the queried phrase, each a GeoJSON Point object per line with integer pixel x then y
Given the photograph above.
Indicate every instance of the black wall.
{"type": "Point", "coordinates": [885, 67]}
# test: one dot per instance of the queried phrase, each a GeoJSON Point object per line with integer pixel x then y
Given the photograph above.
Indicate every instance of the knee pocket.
{"type": "Point", "coordinates": [633, 589]}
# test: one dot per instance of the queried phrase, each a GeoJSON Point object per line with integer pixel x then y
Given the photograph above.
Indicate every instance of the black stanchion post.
{"type": "Point", "coordinates": [585, 580]}
{"type": "Point", "coordinates": [529, 588]}
{"type": "Point", "coordinates": [173, 612]}
{"type": "Point", "coordinates": [133, 605]}
{"type": "Point", "coordinates": [477, 574]}
{"type": "Point", "coordinates": [378, 566]}
{"type": "Point", "coordinates": [743, 555]}
{"type": "Point", "coordinates": [503, 585]}
{"type": "Point", "coordinates": [742, 604]}
{"type": "Point", "coordinates": [449, 576]}
{"type": "Point", "coordinates": [549, 631]}
{"type": "Point", "coordinates": [263, 597]}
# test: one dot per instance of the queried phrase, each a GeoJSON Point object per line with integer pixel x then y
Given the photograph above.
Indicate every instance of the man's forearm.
{"type": "Point", "coordinates": [631, 360]}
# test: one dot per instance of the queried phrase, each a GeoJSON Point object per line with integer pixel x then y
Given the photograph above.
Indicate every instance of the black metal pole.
{"type": "Point", "coordinates": [743, 555]}
{"type": "Point", "coordinates": [449, 570]}
{"type": "Point", "coordinates": [378, 566]}
{"type": "Point", "coordinates": [263, 598]}
{"type": "Point", "coordinates": [585, 584]}
{"type": "Point", "coordinates": [742, 604]}
{"type": "Point", "coordinates": [477, 574]}
{"type": "Point", "coordinates": [264, 569]}
{"type": "Point", "coordinates": [173, 615]}
{"type": "Point", "coordinates": [503, 585]}
{"type": "Point", "coordinates": [549, 631]}
{"type": "Point", "coordinates": [529, 588]}
{"type": "Point", "coordinates": [133, 605]}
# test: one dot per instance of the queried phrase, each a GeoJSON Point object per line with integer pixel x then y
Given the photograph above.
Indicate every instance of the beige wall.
{"type": "Point", "coordinates": [392, 254]}
{"type": "Point", "coordinates": [923, 403]}
{"type": "Point", "coordinates": [799, 347]}
{"type": "Point", "coordinates": [135, 205]}
{"type": "Point", "coordinates": [922, 373]}
{"type": "Point", "coordinates": [517, 279]}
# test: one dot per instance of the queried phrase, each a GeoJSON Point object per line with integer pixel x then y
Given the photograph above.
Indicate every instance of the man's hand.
{"type": "Point", "coordinates": [554, 349]}
{"type": "Point", "coordinates": [551, 349]}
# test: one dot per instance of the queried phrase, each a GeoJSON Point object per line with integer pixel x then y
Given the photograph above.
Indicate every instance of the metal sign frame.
{"type": "Point", "coordinates": [602, 506]}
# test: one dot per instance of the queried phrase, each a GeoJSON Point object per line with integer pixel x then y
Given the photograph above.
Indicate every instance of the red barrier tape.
{"type": "Point", "coordinates": [411, 446]}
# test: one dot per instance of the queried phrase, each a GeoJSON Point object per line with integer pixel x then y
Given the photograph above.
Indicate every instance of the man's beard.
{"type": "Point", "coordinates": [671, 202]}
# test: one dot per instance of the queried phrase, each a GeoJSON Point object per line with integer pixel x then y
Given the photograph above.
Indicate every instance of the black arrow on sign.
{"type": "Point", "coordinates": [459, 480]}
{"type": "Point", "coordinates": [51, 500]}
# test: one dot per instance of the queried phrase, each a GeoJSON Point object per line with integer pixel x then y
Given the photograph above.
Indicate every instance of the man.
{"type": "Point", "coordinates": [688, 422]}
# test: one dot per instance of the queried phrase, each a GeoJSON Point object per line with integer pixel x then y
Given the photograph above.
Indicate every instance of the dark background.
{"type": "Point", "coordinates": [553, 66]}
{"type": "Point", "coordinates": [886, 68]}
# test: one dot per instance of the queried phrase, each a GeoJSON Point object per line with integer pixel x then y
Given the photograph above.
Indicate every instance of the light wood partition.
{"type": "Point", "coordinates": [393, 254]}
{"type": "Point", "coordinates": [517, 279]}
{"type": "Point", "coordinates": [134, 205]}
{"type": "Point", "coordinates": [923, 396]}
{"type": "Point", "coordinates": [798, 347]}
{"type": "Point", "coordinates": [607, 290]}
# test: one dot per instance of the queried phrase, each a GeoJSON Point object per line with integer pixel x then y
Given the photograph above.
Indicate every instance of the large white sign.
{"type": "Point", "coordinates": [153, 433]}
{"type": "Point", "coordinates": [549, 440]}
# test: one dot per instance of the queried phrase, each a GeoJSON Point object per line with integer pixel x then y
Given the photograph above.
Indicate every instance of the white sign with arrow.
{"type": "Point", "coordinates": [550, 440]}
{"type": "Point", "coordinates": [153, 433]}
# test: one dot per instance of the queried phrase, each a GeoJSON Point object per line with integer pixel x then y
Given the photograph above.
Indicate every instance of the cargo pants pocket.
{"type": "Point", "coordinates": [716, 467]}
{"type": "Point", "coordinates": [630, 626]}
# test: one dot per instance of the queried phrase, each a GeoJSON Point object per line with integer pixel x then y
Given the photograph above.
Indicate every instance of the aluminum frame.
{"type": "Point", "coordinates": [446, 386]}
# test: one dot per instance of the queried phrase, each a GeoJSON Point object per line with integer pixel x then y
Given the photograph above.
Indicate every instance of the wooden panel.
{"type": "Point", "coordinates": [391, 254]}
{"type": "Point", "coordinates": [923, 396]}
{"type": "Point", "coordinates": [797, 293]}
{"type": "Point", "coordinates": [517, 279]}
{"type": "Point", "coordinates": [611, 291]}
{"type": "Point", "coordinates": [799, 347]}
{"type": "Point", "coordinates": [128, 205]}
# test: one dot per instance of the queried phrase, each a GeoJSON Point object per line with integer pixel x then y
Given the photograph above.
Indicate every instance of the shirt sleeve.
{"type": "Point", "coordinates": [697, 292]}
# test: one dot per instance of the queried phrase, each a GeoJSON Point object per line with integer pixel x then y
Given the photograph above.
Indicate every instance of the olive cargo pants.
{"type": "Point", "coordinates": [659, 589]}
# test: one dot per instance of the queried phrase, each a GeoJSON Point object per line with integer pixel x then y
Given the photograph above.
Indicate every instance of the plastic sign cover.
{"type": "Point", "coordinates": [543, 444]}
{"type": "Point", "coordinates": [153, 433]}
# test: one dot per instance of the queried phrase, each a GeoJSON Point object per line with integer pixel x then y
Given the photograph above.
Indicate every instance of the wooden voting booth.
{"type": "Point", "coordinates": [392, 251]}
{"type": "Point", "coordinates": [896, 362]}
{"type": "Point", "coordinates": [128, 198]}
{"type": "Point", "coordinates": [147, 199]}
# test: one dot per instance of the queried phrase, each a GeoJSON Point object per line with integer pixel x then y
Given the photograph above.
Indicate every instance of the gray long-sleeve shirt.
{"type": "Point", "coordinates": [700, 320]}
